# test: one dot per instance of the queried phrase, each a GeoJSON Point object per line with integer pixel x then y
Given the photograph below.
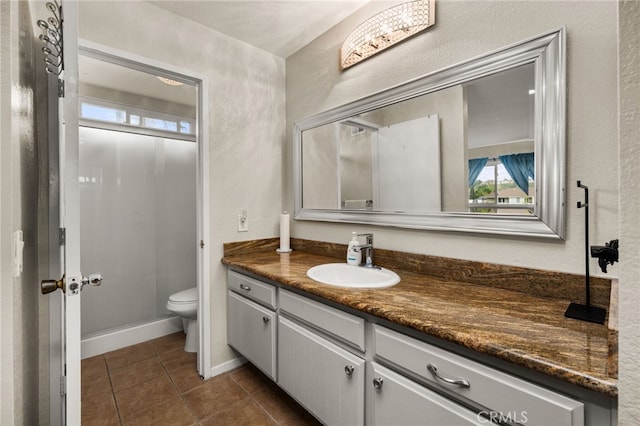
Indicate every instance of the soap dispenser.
{"type": "Point", "coordinates": [354, 256]}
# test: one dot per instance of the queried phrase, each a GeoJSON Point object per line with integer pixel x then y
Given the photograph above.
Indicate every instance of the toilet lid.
{"type": "Point", "coordinates": [185, 296]}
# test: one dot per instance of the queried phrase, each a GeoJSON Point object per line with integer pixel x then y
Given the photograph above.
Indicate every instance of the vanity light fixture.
{"type": "Point", "coordinates": [170, 82]}
{"type": "Point", "coordinates": [385, 29]}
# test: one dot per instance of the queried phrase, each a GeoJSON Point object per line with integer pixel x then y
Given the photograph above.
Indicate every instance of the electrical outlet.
{"type": "Point", "coordinates": [243, 222]}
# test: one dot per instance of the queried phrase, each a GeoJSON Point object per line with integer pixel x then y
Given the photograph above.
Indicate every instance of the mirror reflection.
{"type": "Point", "coordinates": [466, 148]}
{"type": "Point", "coordinates": [475, 147]}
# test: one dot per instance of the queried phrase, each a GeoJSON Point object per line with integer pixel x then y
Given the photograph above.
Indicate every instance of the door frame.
{"type": "Point", "coordinates": [201, 83]}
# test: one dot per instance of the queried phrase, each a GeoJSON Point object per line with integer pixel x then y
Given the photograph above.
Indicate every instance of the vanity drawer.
{"type": "Point", "coordinates": [253, 289]}
{"type": "Point", "coordinates": [495, 390]}
{"type": "Point", "coordinates": [342, 325]}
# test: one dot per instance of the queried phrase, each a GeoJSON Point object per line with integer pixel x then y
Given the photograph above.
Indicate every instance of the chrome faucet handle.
{"type": "Point", "coordinates": [369, 238]}
{"type": "Point", "coordinates": [367, 257]}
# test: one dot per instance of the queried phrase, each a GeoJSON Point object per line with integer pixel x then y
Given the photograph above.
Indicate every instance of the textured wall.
{"type": "Point", "coordinates": [246, 121]}
{"type": "Point", "coordinates": [7, 35]}
{"type": "Point", "coordinates": [19, 329]}
{"type": "Point", "coordinates": [629, 291]}
{"type": "Point", "coordinates": [465, 29]}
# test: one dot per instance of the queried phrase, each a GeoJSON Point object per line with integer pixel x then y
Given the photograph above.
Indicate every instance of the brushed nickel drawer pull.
{"type": "Point", "coordinates": [377, 383]}
{"type": "Point", "coordinates": [244, 287]}
{"type": "Point", "coordinates": [266, 319]}
{"type": "Point", "coordinates": [348, 370]}
{"type": "Point", "coordinates": [458, 382]}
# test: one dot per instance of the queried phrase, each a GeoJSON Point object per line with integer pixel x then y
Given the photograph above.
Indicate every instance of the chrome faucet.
{"type": "Point", "coordinates": [367, 258]}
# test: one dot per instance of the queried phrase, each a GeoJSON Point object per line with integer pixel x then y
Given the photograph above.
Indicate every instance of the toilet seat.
{"type": "Point", "coordinates": [185, 297]}
{"type": "Point", "coordinates": [184, 303]}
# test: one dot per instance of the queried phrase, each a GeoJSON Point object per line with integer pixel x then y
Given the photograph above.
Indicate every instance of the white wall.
{"type": "Point", "coordinates": [246, 121]}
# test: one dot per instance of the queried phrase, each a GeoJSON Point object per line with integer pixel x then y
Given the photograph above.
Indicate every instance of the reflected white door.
{"type": "Point", "coordinates": [397, 147]}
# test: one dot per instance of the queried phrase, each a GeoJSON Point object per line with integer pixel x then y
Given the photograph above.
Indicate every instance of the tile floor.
{"type": "Point", "coordinates": [156, 383]}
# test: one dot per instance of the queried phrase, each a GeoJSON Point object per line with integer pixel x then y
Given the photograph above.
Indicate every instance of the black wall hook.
{"type": "Point", "coordinates": [586, 199]}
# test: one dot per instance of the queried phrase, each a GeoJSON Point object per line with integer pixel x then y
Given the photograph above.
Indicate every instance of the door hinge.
{"type": "Point", "coordinates": [62, 235]}
{"type": "Point", "coordinates": [63, 385]}
{"type": "Point", "coordinates": [60, 88]}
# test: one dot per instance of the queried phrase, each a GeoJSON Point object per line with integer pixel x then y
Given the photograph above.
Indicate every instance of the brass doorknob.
{"type": "Point", "coordinates": [49, 286]}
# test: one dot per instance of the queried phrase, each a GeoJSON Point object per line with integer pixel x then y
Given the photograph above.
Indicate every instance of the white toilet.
{"type": "Point", "coordinates": [185, 305]}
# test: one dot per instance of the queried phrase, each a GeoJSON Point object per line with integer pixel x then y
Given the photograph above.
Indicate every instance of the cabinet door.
{"type": "Point", "coordinates": [251, 330]}
{"type": "Point", "coordinates": [398, 401]}
{"type": "Point", "coordinates": [323, 377]}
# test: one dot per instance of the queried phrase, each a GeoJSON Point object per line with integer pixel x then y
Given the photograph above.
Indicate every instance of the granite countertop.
{"type": "Point", "coordinates": [528, 330]}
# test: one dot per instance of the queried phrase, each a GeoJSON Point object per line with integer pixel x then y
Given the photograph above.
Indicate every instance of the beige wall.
{"type": "Point", "coordinates": [464, 30]}
{"type": "Point", "coordinates": [629, 198]}
{"type": "Point", "coordinates": [246, 121]}
{"type": "Point", "coordinates": [467, 29]}
{"type": "Point", "coordinates": [21, 305]}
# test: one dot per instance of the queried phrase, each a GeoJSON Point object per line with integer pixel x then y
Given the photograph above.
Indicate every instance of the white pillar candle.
{"type": "Point", "coordinates": [284, 233]}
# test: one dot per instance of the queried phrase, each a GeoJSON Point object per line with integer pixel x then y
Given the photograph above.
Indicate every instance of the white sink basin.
{"type": "Point", "coordinates": [345, 275]}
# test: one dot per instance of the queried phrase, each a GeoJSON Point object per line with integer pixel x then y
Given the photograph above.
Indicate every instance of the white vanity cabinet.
{"type": "Point", "coordinates": [348, 370]}
{"type": "Point", "coordinates": [252, 321]}
{"type": "Point", "coordinates": [313, 364]}
{"type": "Point", "coordinates": [502, 397]}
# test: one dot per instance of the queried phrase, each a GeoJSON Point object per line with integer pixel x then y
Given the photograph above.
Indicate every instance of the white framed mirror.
{"type": "Point", "coordinates": [475, 147]}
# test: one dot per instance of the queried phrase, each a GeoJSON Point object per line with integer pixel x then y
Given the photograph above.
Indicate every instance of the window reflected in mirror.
{"type": "Point", "coordinates": [500, 142]}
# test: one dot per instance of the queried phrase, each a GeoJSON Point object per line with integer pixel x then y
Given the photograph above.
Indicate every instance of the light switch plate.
{"type": "Point", "coordinates": [243, 222]}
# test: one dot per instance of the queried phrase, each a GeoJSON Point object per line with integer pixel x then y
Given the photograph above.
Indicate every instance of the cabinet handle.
{"type": "Point", "coordinates": [377, 383]}
{"type": "Point", "coordinates": [348, 370]}
{"type": "Point", "coordinates": [244, 287]}
{"type": "Point", "coordinates": [458, 382]}
{"type": "Point", "coordinates": [266, 319]}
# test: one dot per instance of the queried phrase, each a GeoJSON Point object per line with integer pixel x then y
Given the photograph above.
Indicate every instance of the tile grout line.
{"type": "Point", "coordinates": [157, 354]}
{"type": "Point", "coordinates": [265, 410]}
{"type": "Point", "coordinates": [253, 399]}
{"type": "Point", "coordinates": [181, 394]}
{"type": "Point", "coordinates": [120, 415]}
{"type": "Point", "coordinates": [154, 354]}
{"type": "Point", "coordinates": [113, 392]}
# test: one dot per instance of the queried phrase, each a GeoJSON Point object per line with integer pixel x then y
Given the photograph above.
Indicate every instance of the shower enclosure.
{"type": "Point", "coordinates": [137, 176]}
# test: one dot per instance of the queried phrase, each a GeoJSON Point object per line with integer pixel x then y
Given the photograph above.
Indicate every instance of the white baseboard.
{"type": "Point", "coordinates": [227, 366]}
{"type": "Point", "coordinates": [117, 339]}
